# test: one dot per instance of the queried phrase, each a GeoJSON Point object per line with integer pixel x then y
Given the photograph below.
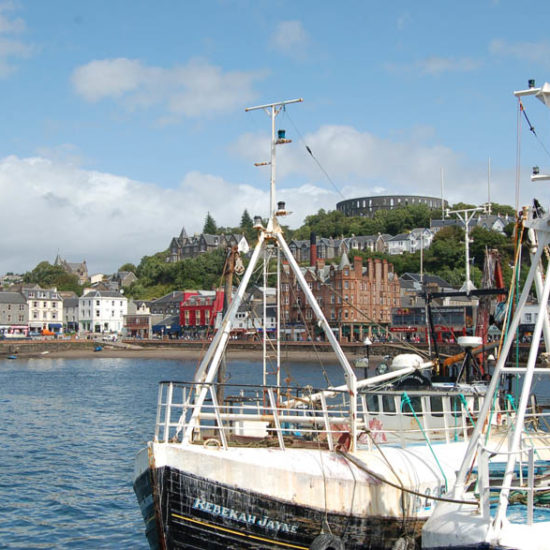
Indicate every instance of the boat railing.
{"type": "Point", "coordinates": [530, 482]}
{"type": "Point", "coordinates": [283, 416]}
{"type": "Point", "coordinates": [272, 415]}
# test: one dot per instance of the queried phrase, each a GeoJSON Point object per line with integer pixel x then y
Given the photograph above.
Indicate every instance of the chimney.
{"type": "Point", "coordinates": [320, 263]}
{"type": "Point", "coordinates": [312, 249]}
{"type": "Point", "coordinates": [377, 269]}
{"type": "Point", "coordinates": [371, 269]}
{"type": "Point", "coordinates": [358, 266]}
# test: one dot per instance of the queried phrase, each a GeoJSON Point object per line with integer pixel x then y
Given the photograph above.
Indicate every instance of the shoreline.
{"type": "Point", "coordinates": [161, 353]}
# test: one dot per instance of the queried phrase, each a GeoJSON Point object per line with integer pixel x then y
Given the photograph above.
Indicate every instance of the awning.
{"type": "Point", "coordinates": [170, 325]}
{"type": "Point", "coordinates": [54, 325]}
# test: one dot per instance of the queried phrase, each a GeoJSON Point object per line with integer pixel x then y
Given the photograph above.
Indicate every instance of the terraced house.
{"type": "Point", "coordinates": [356, 300]}
{"type": "Point", "coordinates": [102, 312]}
{"type": "Point", "coordinates": [45, 309]}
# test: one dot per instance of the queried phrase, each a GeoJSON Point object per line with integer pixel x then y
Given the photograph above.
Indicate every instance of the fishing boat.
{"type": "Point", "coordinates": [359, 465]}
{"type": "Point", "coordinates": [509, 506]}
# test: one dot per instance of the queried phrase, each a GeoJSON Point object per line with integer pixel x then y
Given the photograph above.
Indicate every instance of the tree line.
{"type": "Point", "coordinates": [445, 257]}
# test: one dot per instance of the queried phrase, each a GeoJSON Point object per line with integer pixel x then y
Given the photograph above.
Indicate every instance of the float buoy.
{"type": "Point", "coordinates": [327, 542]}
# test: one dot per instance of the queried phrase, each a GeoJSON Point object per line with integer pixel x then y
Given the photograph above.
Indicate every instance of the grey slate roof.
{"type": "Point", "coordinates": [12, 298]}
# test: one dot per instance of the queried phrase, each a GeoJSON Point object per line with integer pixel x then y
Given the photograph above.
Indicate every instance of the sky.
{"type": "Point", "coordinates": [124, 122]}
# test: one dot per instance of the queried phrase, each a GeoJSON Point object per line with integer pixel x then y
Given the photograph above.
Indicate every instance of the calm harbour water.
{"type": "Point", "coordinates": [69, 434]}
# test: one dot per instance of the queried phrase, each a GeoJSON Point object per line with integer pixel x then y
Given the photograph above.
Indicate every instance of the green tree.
{"type": "Point", "coordinates": [210, 227]}
{"type": "Point", "coordinates": [50, 276]}
{"type": "Point", "coordinates": [128, 267]}
{"type": "Point", "coordinates": [246, 221]}
{"type": "Point", "coordinates": [446, 250]}
{"type": "Point", "coordinates": [503, 210]}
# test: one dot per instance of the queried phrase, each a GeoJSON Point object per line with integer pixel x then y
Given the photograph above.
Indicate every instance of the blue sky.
{"type": "Point", "coordinates": [124, 121]}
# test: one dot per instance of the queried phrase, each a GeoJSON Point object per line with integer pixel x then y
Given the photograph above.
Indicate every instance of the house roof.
{"type": "Point", "coordinates": [428, 279]}
{"type": "Point", "coordinates": [103, 294]}
{"type": "Point", "coordinates": [174, 296]}
{"type": "Point", "coordinates": [12, 298]}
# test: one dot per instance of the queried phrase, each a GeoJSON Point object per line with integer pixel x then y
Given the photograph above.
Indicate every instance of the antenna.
{"type": "Point", "coordinates": [489, 187]}
{"type": "Point", "coordinates": [465, 216]}
{"type": "Point", "coordinates": [442, 199]}
{"type": "Point", "coordinates": [272, 110]}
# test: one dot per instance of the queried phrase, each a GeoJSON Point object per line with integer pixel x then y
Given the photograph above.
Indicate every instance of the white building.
{"type": "Point", "coordinates": [101, 311]}
{"type": "Point", "coordinates": [45, 309]}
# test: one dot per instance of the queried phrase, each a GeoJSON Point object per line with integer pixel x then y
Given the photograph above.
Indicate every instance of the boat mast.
{"type": "Point", "coordinates": [272, 110]}
{"type": "Point", "coordinates": [270, 236]}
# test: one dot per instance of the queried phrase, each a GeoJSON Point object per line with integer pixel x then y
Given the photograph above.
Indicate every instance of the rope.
{"type": "Point", "coordinates": [406, 400]}
{"type": "Point", "coordinates": [363, 467]}
{"type": "Point", "coordinates": [463, 400]}
{"type": "Point", "coordinates": [308, 149]}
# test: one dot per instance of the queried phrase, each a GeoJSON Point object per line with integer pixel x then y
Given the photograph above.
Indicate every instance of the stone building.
{"type": "Point", "coordinates": [14, 314]}
{"type": "Point", "coordinates": [45, 309]}
{"type": "Point", "coordinates": [368, 206]}
{"type": "Point", "coordinates": [80, 269]}
{"type": "Point", "coordinates": [356, 300]}
{"type": "Point", "coordinates": [102, 312]}
{"type": "Point", "coordinates": [185, 246]}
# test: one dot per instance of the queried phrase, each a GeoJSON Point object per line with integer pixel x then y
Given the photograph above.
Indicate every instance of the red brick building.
{"type": "Point", "coordinates": [356, 299]}
{"type": "Point", "coordinates": [199, 310]}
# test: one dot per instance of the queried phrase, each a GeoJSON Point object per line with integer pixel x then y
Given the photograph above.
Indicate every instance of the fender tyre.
{"type": "Point", "coordinates": [327, 542]}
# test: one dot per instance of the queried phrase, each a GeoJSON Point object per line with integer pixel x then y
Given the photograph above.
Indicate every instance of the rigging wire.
{"type": "Point", "coordinates": [308, 149]}
{"type": "Point", "coordinates": [369, 319]}
{"type": "Point", "coordinates": [532, 128]}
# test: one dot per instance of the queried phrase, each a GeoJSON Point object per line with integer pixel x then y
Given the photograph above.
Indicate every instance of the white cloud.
{"type": "Point", "coordinates": [108, 78]}
{"type": "Point", "coordinates": [290, 38]}
{"type": "Point", "coordinates": [11, 48]}
{"type": "Point", "coordinates": [52, 205]}
{"type": "Point", "coordinates": [531, 52]}
{"type": "Point", "coordinates": [360, 164]}
{"type": "Point", "coordinates": [191, 90]}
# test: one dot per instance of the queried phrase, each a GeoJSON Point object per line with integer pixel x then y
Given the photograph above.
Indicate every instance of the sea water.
{"type": "Point", "coordinates": [69, 433]}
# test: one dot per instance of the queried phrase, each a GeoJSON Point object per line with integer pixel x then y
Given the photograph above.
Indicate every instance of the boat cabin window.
{"type": "Point", "coordinates": [372, 403]}
{"type": "Point", "coordinates": [416, 404]}
{"type": "Point", "coordinates": [388, 403]}
{"type": "Point", "coordinates": [436, 405]}
{"type": "Point", "coordinates": [456, 406]}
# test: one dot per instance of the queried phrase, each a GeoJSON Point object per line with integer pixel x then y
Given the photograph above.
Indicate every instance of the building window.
{"type": "Point", "coordinates": [97, 313]}
{"type": "Point", "coordinates": [197, 317]}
